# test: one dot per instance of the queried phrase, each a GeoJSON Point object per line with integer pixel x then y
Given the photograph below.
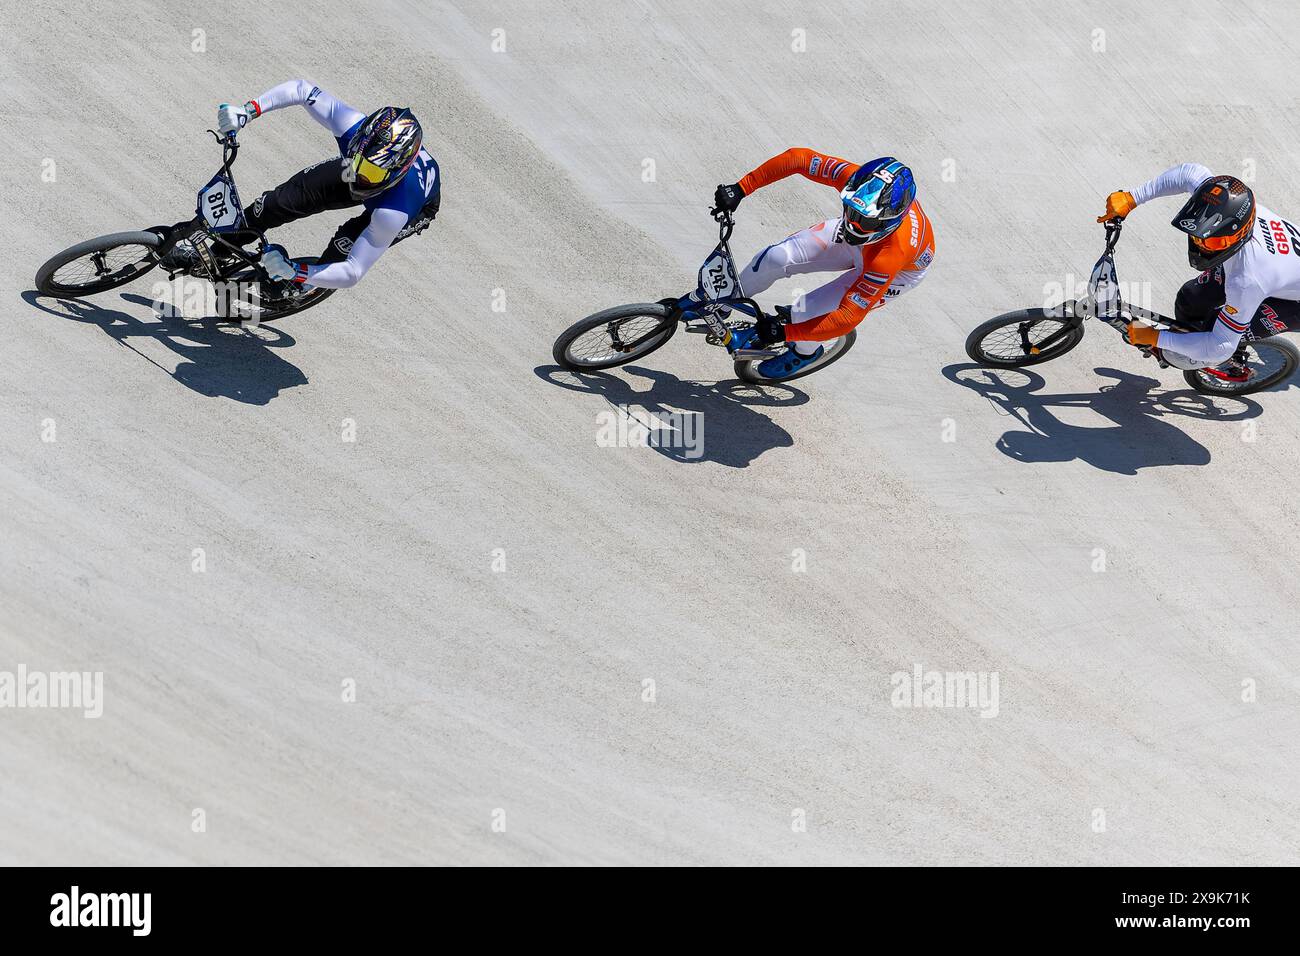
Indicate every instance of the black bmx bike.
{"type": "Point", "coordinates": [216, 239]}
{"type": "Point", "coordinates": [1031, 336]}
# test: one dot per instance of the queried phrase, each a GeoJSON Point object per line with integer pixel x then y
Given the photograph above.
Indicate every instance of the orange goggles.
{"type": "Point", "coordinates": [1219, 243]}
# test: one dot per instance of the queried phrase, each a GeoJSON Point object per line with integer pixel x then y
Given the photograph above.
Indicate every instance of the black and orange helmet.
{"type": "Point", "coordinates": [1218, 220]}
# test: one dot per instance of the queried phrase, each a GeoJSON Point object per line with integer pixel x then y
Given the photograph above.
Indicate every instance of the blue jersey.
{"type": "Point", "coordinates": [392, 214]}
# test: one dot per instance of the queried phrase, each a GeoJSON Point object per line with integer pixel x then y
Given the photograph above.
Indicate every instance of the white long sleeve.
{"type": "Point", "coordinates": [378, 235]}
{"type": "Point", "coordinates": [1216, 345]}
{"type": "Point", "coordinates": [326, 109]}
{"type": "Point", "coordinates": [1183, 178]}
{"type": "Point", "coordinates": [1243, 296]}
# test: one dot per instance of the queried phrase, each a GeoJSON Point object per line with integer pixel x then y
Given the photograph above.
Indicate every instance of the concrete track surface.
{"type": "Point", "coordinates": [500, 586]}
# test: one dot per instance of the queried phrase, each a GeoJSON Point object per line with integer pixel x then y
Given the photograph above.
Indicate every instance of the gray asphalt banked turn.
{"type": "Point", "coordinates": [369, 584]}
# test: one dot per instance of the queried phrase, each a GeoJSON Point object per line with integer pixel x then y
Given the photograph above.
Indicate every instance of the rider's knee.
{"type": "Point", "coordinates": [1197, 301]}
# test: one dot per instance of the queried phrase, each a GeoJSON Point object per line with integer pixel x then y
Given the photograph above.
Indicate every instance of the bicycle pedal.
{"type": "Point", "coordinates": [749, 355]}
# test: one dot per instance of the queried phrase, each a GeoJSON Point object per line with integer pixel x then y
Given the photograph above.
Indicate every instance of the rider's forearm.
{"type": "Point", "coordinates": [365, 252]}
{"type": "Point", "coordinates": [1172, 182]}
{"type": "Point", "coordinates": [326, 109]}
{"type": "Point", "coordinates": [1215, 346]}
{"type": "Point", "coordinates": [799, 160]}
{"type": "Point", "coordinates": [336, 275]}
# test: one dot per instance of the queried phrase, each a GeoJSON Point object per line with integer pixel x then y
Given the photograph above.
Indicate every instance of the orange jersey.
{"type": "Point", "coordinates": [903, 256]}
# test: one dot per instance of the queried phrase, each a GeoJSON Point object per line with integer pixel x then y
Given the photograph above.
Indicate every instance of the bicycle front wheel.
{"type": "Point", "coordinates": [98, 265]}
{"type": "Point", "coordinates": [614, 337]}
{"type": "Point", "coordinates": [1013, 339]}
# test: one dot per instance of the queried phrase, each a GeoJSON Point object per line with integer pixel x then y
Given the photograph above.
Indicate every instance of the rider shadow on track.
{"type": "Point", "coordinates": [1143, 435]}
{"type": "Point", "coordinates": [222, 358]}
{"type": "Point", "coordinates": [734, 433]}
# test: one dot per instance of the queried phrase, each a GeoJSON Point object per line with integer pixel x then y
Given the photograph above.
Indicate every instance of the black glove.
{"type": "Point", "coordinates": [727, 198]}
{"type": "Point", "coordinates": [771, 328]}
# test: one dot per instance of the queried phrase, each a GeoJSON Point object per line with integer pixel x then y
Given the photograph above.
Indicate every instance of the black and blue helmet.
{"type": "Point", "coordinates": [876, 199]}
{"type": "Point", "coordinates": [382, 149]}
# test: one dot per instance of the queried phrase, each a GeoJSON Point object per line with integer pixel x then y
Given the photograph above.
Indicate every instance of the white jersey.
{"type": "Point", "coordinates": [1268, 266]}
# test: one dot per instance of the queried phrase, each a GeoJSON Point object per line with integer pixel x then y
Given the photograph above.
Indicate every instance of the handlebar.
{"type": "Point", "coordinates": [1113, 227]}
{"type": "Point", "coordinates": [229, 148]}
{"type": "Point", "coordinates": [725, 223]}
{"type": "Point", "coordinates": [229, 151]}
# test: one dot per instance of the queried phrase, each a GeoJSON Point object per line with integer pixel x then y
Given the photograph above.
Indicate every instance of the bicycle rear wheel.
{"type": "Point", "coordinates": [280, 299]}
{"type": "Point", "coordinates": [747, 371]}
{"type": "Point", "coordinates": [1269, 361]}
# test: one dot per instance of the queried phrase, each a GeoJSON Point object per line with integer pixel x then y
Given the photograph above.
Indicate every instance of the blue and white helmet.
{"type": "Point", "coordinates": [876, 199]}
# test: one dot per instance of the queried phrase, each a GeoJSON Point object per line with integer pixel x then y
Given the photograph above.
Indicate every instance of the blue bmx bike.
{"type": "Point", "coordinates": [626, 333]}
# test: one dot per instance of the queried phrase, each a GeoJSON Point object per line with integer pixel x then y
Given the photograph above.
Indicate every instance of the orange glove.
{"type": "Point", "coordinates": [1118, 205]}
{"type": "Point", "coordinates": [1139, 334]}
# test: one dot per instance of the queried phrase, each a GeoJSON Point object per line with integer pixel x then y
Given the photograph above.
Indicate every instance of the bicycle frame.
{"type": "Point", "coordinates": [1103, 301]}
{"type": "Point", "coordinates": [717, 282]}
{"type": "Point", "coordinates": [220, 213]}
{"type": "Point", "coordinates": [720, 285]}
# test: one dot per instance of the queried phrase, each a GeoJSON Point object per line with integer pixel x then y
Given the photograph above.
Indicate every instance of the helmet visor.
{"type": "Point", "coordinates": [1219, 243]}
{"type": "Point", "coordinates": [864, 225]}
{"type": "Point", "coordinates": [367, 173]}
{"type": "Point", "coordinates": [1190, 226]}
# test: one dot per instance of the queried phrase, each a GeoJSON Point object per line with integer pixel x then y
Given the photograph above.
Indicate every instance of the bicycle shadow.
{"type": "Point", "coordinates": [736, 433]}
{"type": "Point", "coordinates": [1142, 436]}
{"type": "Point", "coordinates": [222, 359]}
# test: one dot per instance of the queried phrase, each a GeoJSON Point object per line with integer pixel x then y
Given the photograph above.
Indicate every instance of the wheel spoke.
{"type": "Point", "coordinates": [1262, 361]}
{"type": "Point", "coordinates": [105, 264]}
{"type": "Point", "coordinates": [621, 338]}
{"type": "Point", "coordinates": [1008, 343]}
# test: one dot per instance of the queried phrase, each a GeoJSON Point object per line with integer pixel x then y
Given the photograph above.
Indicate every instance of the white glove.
{"type": "Point", "coordinates": [231, 119]}
{"type": "Point", "coordinates": [278, 265]}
